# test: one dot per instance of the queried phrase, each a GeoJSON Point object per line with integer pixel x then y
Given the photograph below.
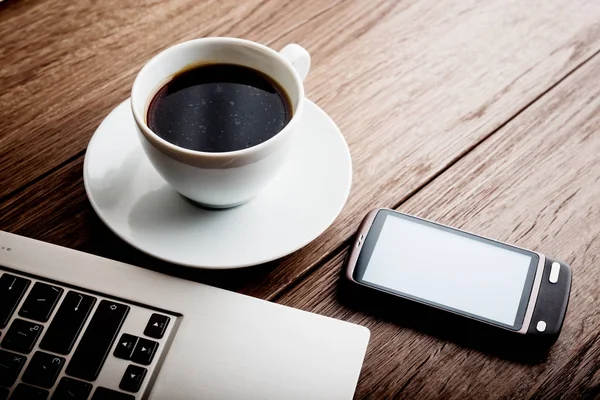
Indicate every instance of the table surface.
{"type": "Point", "coordinates": [481, 115]}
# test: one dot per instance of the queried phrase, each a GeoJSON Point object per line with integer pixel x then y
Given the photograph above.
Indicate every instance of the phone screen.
{"type": "Point", "coordinates": [448, 268]}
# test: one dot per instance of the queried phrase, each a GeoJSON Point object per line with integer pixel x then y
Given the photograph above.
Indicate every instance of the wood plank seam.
{"type": "Point", "coordinates": [298, 25]}
{"type": "Point", "coordinates": [50, 171]}
{"type": "Point", "coordinates": [301, 16]}
{"type": "Point", "coordinates": [42, 176]}
{"type": "Point", "coordinates": [415, 155]}
{"type": "Point", "coordinates": [343, 246]}
{"type": "Point", "coordinates": [499, 180]}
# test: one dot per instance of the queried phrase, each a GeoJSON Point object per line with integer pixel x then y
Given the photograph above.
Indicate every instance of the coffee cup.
{"type": "Point", "coordinates": [220, 179]}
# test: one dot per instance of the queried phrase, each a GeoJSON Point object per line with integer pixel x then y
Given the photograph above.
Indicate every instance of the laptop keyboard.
{"type": "Point", "coordinates": [59, 342]}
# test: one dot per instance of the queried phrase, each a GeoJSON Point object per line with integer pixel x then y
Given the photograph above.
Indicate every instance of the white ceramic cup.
{"type": "Point", "coordinates": [226, 179]}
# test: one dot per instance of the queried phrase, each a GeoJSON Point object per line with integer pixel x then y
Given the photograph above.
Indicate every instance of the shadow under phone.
{"type": "Point", "coordinates": [446, 326]}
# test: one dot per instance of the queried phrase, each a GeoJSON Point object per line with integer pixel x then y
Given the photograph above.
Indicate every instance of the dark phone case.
{"type": "Point", "coordinates": [530, 348]}
{"type": "Point", "coordinates": [552, 302]}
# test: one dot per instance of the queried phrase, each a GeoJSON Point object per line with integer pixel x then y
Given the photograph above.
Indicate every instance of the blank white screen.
{"type": "Point", "coordinates": [448, 269]}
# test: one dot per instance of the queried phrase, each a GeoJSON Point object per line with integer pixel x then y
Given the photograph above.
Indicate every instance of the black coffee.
{"type": "Point", "coordinates": [219, 107]}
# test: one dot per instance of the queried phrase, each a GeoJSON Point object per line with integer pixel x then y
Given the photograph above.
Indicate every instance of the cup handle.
{"type": "Point", "coordinates": [298, 57]}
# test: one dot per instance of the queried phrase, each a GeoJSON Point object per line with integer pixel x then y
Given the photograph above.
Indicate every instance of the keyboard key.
{"type": "Point", "coordinates": [125, 346]}
{"type": "Point", "coordinates": [3, 393]}
{"type": "Point", "coordinates": [97, 340]}
{"type": "Point", "coordinates": [40, 302]}
{"type": "Point", "coordinates": [67, 323]}
{"type": "Point", "coordinates": [10, 367]}
{"type": "Point", "coordinates": [43, 369]}
{"type": "Point", "coordinates": [144, 351]}
{"type": "Point", "coordinates": [72, 389]}
{"type": "Point", "coordinates": [21, 336]}
{"type": "Point", "coordinates": [133, 378]}
{"type": "Point", "coordinates": [26, 392]}
{"type": "Point", "coordinates": [157, 325]}
{"type": "Point", "coordinates": [102, 393]}
{"type": "Point", "coordinates": [12, 289]}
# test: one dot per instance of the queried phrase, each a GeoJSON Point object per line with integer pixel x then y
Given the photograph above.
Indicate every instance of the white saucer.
{"type": "Point", "coordinates": [137, 204]}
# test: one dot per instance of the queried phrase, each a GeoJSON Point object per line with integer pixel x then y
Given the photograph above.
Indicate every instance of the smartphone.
{"type": "Point", "coordinates": [459, 272]}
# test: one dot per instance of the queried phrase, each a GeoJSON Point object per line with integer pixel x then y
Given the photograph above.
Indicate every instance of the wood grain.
{"type": "Point", "coordinates": [416, 87]}
{"type": "Point", "coordinates": [64, 67]}
{"type": "Point", "coordinates": [408, 107]}
{"type": "Point", "coordinates": [64, 216]}
{"type": "Point", "coordinates": [535, 183]}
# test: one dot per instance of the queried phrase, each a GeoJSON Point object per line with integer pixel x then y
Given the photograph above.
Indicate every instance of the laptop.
{"type": "Point", "coordinates": [77, 326]}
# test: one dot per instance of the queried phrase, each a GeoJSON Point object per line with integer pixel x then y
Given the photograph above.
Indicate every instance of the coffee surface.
{"type": "Point", "coordinates": [219, 108]}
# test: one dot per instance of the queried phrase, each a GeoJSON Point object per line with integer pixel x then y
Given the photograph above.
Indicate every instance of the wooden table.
{"type": "Point", "coordinates": [481, 115]}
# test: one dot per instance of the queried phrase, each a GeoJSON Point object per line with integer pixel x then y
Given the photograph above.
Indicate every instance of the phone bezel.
{"type": "Point", "coordinates": [367, 238]}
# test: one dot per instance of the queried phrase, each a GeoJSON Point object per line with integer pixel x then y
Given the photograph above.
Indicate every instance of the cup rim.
{"type": "Point", "coordinates": [155, 139]}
